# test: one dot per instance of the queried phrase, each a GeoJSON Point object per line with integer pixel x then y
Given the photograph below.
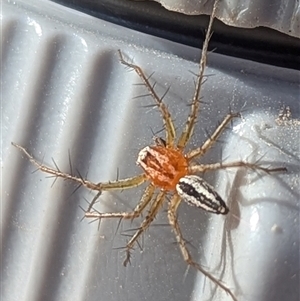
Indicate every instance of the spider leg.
{"type": "Point", "coordinates": [146, 198]}
{"type": "Point", "coordinates": [168, 123]}
{"type": "Point", "coordinates": [200, 151]}
{"type": "Point", "coordinates": [206, 167]}
{"type": "Point", "coordinates": [190, 124]}
{"type": "Point", "coordinates": [155, 207]}
{"type": "Point", "coordinates": [172, 216]}
{"type": "Point", "coordinates": [106, 186]}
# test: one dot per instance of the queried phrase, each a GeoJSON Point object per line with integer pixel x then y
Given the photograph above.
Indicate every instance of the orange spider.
{"type": "Point", "coordinates": [169, 169]}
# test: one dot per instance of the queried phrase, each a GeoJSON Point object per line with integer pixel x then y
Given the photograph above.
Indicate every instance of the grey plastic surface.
{"type": "Point", "coordinates": [64, 90]}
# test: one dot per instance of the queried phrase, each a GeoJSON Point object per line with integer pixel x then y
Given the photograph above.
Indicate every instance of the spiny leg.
{"type": "Point", "coordinates": [189, 126]}
{"type": "Point", "coordinates": [155, 207]}
{"type": "Point", "coordinates": [172, 216]}
{"type": "Point", "coordinates": [122, 184]}
{"type": "Point", "coordinates": [146, 198]}
{"type": "Point", "coordinates": [106, 186]}
{"type": "Point", "coordinates": [199, 168]}
{"type": "Point", "coordinates": [200, 151]}
{"type": "Point", "coordinates": [168, 123]}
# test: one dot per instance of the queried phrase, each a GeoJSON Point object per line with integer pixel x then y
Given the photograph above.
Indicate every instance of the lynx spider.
{"type": "Point", "coordinates": [168, 169]}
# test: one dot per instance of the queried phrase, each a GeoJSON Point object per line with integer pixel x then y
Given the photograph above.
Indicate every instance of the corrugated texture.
{"type": "Point", "coordinates": [281, 15]}
{"type": "Point", "coordinates": [65, 92]}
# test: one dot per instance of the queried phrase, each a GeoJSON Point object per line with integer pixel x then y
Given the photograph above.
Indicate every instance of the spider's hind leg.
{"type": "Point", "coordinates": [172, 216]}
{"type": "Point", "coordinates": [153, 210]}
{"type": "Point", "coordinates": [145, 200]}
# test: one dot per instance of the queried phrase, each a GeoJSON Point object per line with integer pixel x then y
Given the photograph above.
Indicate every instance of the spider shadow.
{"type": "Point", "coordinates": [237, 203]}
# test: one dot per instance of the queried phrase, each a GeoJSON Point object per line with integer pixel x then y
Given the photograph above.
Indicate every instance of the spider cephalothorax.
{"type": "Point", "coordinates": [163, 166]}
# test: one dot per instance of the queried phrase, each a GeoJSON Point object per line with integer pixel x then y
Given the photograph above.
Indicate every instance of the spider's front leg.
{"type": "Point", "coordinates": [56, 172]}
{"type": "Point", "coordinates": [200, 168]}
{"type": "Point", "coordinates": [200, 151]}
{"type": "Point", "coordinates": [190, 124]}
{"type": "Point", "coordinates": [167, 119]}
{"type": "Point", "coordinates": [122, 184]}
{"type": "Point", "coordinates": [146, 198]}
{"type": "Point", "coordinates": [106, 186]}
{"type": "Point", "coordinates": [172, 216]}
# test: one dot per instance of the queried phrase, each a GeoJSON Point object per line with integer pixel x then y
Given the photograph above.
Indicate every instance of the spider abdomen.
{"type": "Point", "coordinates": [196, 192]}
{"type": "Point", "coordinates": [163, 166]}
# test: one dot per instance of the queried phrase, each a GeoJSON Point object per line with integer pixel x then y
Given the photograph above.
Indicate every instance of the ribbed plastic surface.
{"type": "Point", "coordinates": [65, 92]}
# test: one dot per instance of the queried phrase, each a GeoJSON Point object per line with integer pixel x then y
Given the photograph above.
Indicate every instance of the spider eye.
{"type": "Point", "coordinates": [196, 192]}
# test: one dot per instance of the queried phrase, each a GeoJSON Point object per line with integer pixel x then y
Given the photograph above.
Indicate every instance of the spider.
{"type": "Point", "coordinates": [168, 169]}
